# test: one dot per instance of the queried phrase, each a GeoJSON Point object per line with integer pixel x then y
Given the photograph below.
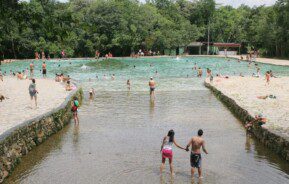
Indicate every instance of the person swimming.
{"type": "Point", "coordinates": [91, 93]}
{"type": "Point", "coordinates": [68, 86]}
{"type": "Point", "coordinates": [84, 67]}
{"type": "Point", "coordinates": [195, 66]}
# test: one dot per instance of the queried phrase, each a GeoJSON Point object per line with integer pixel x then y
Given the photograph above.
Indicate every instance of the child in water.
{"type": "Point", "coordinates": [74, 109]}
{"type": "Point", "coordinates": [91, 93]}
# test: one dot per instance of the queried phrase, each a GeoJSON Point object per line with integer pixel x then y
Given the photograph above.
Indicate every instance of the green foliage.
{"type": "Point", "coordinates": [82, 26]}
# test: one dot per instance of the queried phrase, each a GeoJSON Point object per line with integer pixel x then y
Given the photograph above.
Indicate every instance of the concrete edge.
{"type": "Point", "coordinates": [271, 139]}
{"type": "Point", "coordinates": [8, 132]}
{"type": "Point", "coordinates": [20, 140]}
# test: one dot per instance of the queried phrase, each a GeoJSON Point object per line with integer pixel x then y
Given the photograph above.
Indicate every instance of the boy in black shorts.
{"type": "Point", "coordinates": [196, 159]}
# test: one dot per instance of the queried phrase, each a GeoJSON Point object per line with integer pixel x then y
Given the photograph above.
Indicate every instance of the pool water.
{"type": "Point", "coordinates": [120, 132]}
{"type": "Point", "coordinates": [173, 73]}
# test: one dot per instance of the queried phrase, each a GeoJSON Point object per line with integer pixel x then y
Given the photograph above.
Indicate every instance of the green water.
{"type": "Point", "coordinates": [172, 73]}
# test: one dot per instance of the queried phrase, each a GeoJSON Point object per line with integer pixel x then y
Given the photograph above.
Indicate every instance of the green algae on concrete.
{"type": "Point", "coordinates": [270, 138]}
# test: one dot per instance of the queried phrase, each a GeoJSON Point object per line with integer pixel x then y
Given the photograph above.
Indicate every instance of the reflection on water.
{"type": "Point", "coordinates": [119, 136]}
{"type": "Point", "coordinates": [33, 160]}
{"type": "Point", "coordinates": [75, 134]}
{"type": "Point", "coordinates": [152, 107]}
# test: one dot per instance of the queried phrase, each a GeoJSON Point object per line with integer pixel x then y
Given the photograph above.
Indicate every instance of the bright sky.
{"type": "Point", "coordinates": [236, 3]}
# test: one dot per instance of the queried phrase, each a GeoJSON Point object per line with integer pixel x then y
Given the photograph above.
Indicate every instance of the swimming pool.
{"type": "Point", "coordinates": [120, 131]}
{"type": "Point", "coordinates": [170, 73]}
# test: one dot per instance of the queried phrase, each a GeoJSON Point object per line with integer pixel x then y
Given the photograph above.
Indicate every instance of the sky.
{"type": "Point", "coordinates": [236, 3]}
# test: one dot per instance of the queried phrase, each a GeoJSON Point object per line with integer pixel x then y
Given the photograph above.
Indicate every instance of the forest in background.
{"type": "Point", "coordinates": [120, 26]}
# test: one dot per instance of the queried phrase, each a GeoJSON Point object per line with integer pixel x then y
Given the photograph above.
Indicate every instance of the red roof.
{"type": "Point", "coordinates": [227, 44]}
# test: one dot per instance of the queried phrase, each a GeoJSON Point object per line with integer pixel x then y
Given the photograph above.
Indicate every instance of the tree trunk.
{"type": "Point", "coordinates": [13, 49]}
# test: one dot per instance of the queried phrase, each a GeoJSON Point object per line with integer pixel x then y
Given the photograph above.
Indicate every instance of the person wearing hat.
{"type": "Point", "coordinates": [259, 119]}
{"type": "Point", "coordinates": [152, 86]}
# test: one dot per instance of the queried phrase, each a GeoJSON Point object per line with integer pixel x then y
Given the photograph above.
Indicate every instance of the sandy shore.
{"type": "Point", "coordinates": [280, 62]}
{"type": "Point", "coordinates": [18, 107]}
{"type": "Point", "coordinates": [244, 90]}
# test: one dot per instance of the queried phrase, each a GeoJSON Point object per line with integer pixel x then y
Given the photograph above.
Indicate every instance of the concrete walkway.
{"type": "Point", "coordinates": [19, 107]}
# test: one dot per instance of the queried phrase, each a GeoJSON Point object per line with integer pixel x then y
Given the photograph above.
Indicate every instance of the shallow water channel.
{"type": "Point", "coordinates": [118, 141]}
{"type": "Point", "coordinates": [120, 133]}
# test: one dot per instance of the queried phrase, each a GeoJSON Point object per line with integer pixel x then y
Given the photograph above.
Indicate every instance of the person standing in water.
{"type": "Point", "coordinates": [63, 55]}
{"type": "Point", "coordinates": [97, 53]}
{"type": "Point", "coordinates": [209, 73]}
{"type": "Point", "coordinates": [31, 69]}
{"type": "Point", "coordinates": [196, 159]}
{"type": "Point", "coordinates": [1, 75]}
{"type": "Point", "coordinates": [128, 84]}
{"type": "Point", "coordinates": [44, 70]}
{"type": "Point", "coordinates": [267, 76]}
{"type": "Point", "coordinates": [167, 150]}
{"type": "Point", "coordinates": [33, 92]}
{"type": "Point", "coordinates": [42, 55]}
{"type": "Point", "coordinates": [91, 93]}
{"type": "Point", "coordinates": [74, 109]}
{"type": "Point", "coordinates": [152, 86]}
{"type": "Point", "coordinates": [200, 72]}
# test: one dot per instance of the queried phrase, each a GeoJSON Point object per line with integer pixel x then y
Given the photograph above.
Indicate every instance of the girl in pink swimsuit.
{"type": "Point", "coordinates": [167, 150]}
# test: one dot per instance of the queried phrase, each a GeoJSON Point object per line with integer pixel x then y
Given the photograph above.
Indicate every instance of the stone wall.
{"type": "Point", "coordinates": [19, 140]}
{"type": "Point", "coordinates": [271, 139]}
